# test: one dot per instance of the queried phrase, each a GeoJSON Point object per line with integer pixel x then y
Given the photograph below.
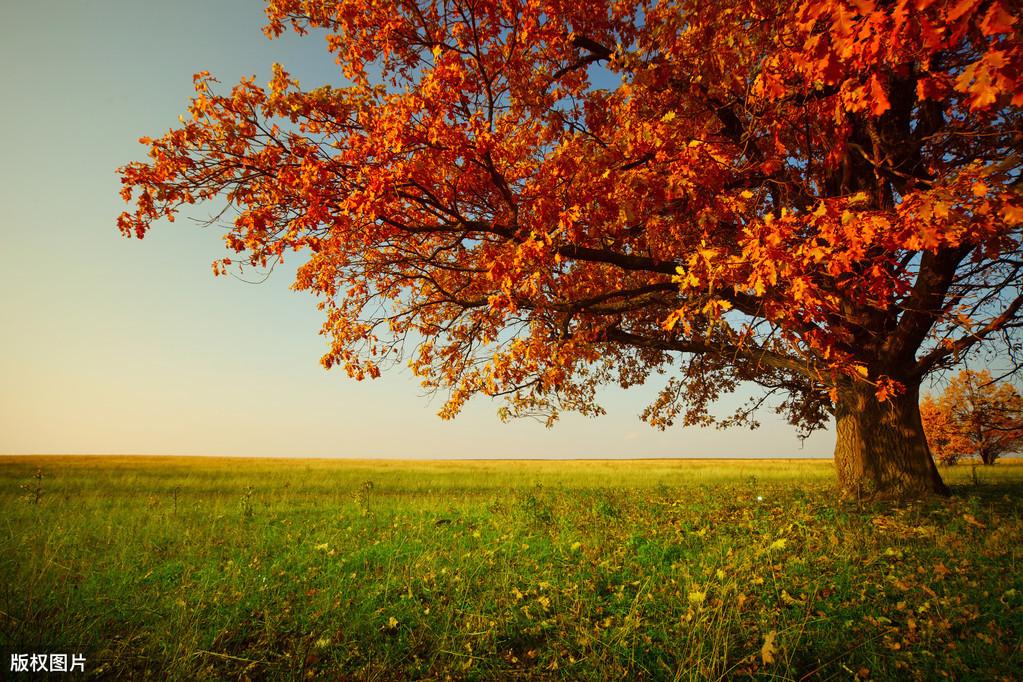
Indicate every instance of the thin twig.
{"type": "Point", "coordinates": [227, 656]}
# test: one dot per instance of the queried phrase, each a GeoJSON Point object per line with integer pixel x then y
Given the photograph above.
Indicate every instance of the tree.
{"type": "Point", "coordinates": [946, 443]}
{"type": "Point", "coordinates": [531, 198]}
{"type": "Point", "coordinates": [975, 416]}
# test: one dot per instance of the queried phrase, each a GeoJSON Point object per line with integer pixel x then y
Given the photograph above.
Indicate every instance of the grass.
{"type": "Point", "coordinates": [202, 568]}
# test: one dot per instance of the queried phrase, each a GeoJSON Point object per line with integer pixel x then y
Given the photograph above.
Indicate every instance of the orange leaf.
{"type": "Point", "coordinates": [997, 20]}
{"type": "Point", "coordinates": [972, 520]}
{"type": "Point", "coordinates": [931, 34]}
{"type": "Point", "coordinates": [1012, 214]}
{"type": "Point", "coordinates": [877, 93]}
{"type": "Point", "coordinates": [864, 7]}
{"type": "Point", "coordinates": [962, 8]}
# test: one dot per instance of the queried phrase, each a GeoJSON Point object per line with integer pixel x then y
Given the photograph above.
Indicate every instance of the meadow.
{"type": "Point", "coordinates": [210, 569]}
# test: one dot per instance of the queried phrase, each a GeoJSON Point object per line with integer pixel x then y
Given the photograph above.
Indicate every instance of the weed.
{"type": "Point", "coordinates": [248, 509]}
{"type": "Point", "coordinates": [605, 506]}
{"type": "Point", "coordinates": [535, 507]}
{"type": "Point", "coordinates": [34, 491]}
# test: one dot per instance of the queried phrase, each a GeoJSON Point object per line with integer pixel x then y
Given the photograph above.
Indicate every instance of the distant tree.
{"type": "Point", "coordinates": [821, 198]}
{"type": "Point", "coordinates": [946, 444]}
{"type": "Point", "coordinates": [976, 417]}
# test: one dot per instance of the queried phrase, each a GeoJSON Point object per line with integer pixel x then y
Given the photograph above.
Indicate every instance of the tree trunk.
{"type": "Point", "coordinates": [881, 451]}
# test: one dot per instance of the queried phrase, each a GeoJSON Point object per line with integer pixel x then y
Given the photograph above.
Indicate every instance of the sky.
{"type": "Point", "coordinates": [118, 346]}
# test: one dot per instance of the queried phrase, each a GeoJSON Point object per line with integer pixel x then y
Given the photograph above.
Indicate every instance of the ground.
{"type": "Point", "coordinates": [197, 568]}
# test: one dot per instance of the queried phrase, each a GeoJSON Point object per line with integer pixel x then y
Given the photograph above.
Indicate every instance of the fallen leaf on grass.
{"type": "Point", "coordinates": [768, 650]}
{"type": "Point", "coordinates": [972, 520]}
{"type": "Point", "coordinates": [790, 600]}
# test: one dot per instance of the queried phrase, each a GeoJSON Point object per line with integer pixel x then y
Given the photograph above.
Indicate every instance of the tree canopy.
{"type": "Point", "coordinates": [532, 199]}
{"type": "Point", "coordinates": [975, 416]}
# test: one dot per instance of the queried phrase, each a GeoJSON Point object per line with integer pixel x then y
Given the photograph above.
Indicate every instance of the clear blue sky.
{"type": "Point", "coordinates": [111, 345]}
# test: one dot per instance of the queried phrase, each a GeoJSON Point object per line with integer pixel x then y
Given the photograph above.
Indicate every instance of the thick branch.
{"type": "Point", "coordinates": [754, 354]}
{"type": "Point", "coordinates": [959, 346]}
{"type": "Point", "coordinates": [923, 305]}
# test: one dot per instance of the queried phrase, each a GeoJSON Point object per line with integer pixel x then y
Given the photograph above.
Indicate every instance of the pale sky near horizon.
{"type": "Point", "coordinates": [118, 346]}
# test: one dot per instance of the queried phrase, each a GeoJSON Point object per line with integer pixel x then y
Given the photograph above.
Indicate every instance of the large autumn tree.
{"type": "Point", "coordinates": [532, 198]}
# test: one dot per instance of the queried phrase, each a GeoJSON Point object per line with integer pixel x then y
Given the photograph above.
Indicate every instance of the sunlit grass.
{"type": "Point", "coordinates": [199, 568]}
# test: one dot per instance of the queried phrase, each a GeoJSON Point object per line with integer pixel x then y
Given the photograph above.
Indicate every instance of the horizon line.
{"type": "Point", "coordinates": [545, 458]}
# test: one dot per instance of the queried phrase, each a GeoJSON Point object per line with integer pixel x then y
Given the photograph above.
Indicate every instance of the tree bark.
{"type": "Point", "coordinates": [881, 451]}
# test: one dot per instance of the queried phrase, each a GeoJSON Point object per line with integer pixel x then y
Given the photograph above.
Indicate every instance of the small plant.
{"type": "Point", "coordinates": [536, 508]}
{"type": "Point", "coordinates": [34, 491]}
{"type": "Point", "coordinates": [361, 495]}
{"type": "Point", "coordinates": [606, 507]}
{"type": "Point", "coordinates": [247, 508]}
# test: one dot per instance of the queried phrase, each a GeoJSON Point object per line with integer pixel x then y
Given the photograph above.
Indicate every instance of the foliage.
{"type": "Point", "coordinates": [530, 199]}
{"type": "Point", "coordinates": [975, 416]}
{"type": "Point", "coordinates": [655, 570]}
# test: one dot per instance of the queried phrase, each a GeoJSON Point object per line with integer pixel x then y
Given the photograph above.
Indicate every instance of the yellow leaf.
{"type": "Point", "coordinates": [768, 651]}
{"type": "Point", "coordinates": [697, 597]}
{"type": "Point", "coordinates": [972, 520]}
{"type": "Point", "coordinates": [790, 600]}
{"type": "Point", "coordinates": [778, 544]}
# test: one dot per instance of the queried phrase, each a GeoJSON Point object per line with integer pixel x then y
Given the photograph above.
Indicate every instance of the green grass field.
{"type": "Point", "coordinates": [182, 568]}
